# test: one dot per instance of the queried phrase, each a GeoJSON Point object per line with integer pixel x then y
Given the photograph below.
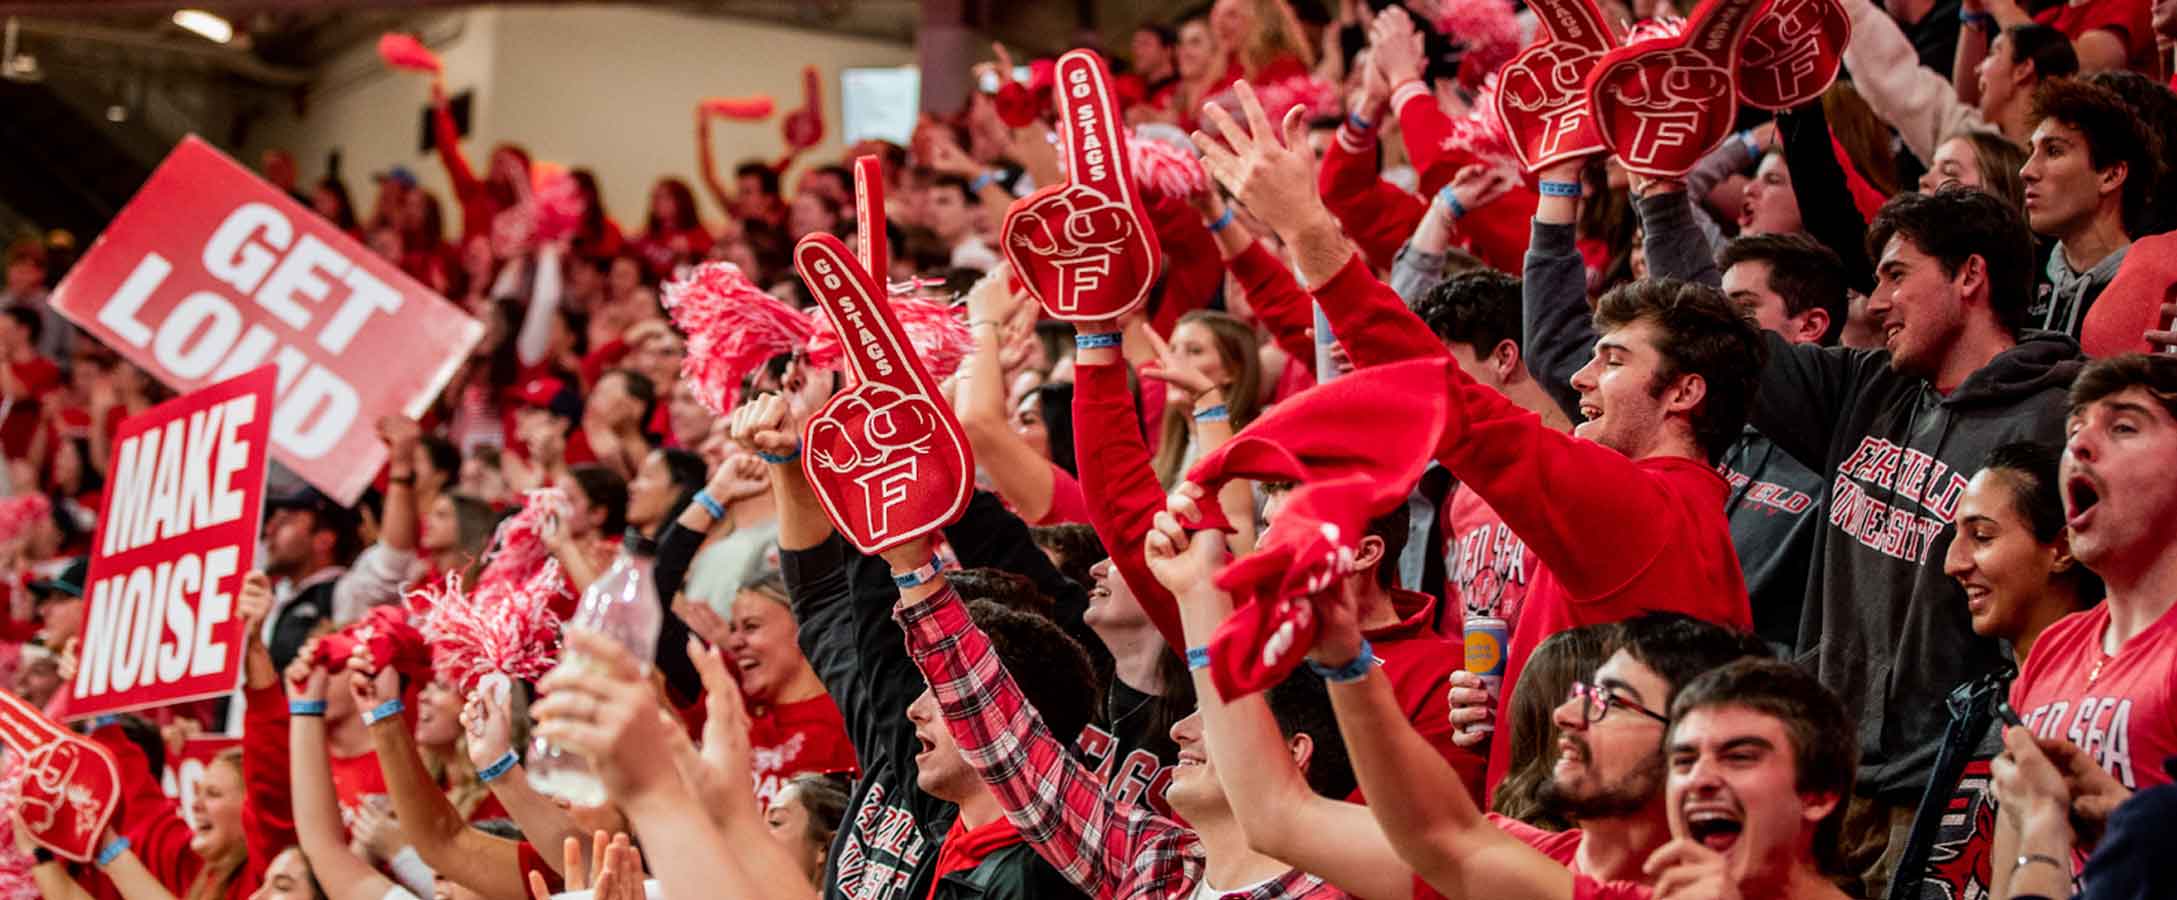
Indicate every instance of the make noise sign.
{"type": "Point", "coordinates": [178, 531]}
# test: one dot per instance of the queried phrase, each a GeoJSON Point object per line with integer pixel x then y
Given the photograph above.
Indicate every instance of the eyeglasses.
{"type": "Point", "coordinates": [1596, 701]}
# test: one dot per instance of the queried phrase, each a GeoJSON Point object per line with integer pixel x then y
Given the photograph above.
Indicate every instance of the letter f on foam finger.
{"type": "Point", "coordinates": [887, 459]}
{"type": "Point", "coordinates": [1084, 247]}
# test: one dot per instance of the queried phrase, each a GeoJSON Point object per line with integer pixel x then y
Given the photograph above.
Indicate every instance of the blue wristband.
{"type": "Point", "coordinates": [385, 711]}
{"type": "Point", "coordinates": [982, 181]}
{"type": "Point", "coordinates": [780, 460]}
{"type": "Point", "coordinates": [918, 577]}
{"type": "Point", "coordinates": [1222, 221]}
{"type": "Point", "coordinates": [703, 499]}
{"type": "Point", "coordinates": [1350, 672]}
{"type": "Point", "coordinates": [112, 851]}
{"type": "Point", "coordinates": [1451, 201]}
{"type": "Point", "coordinates": [1216, 413]}
{"type": "Point", "coordinates": [504, 764]}
{"type": "Point", "coordinates": [1197, 658]}
{"type": "Point", "coordinates": [1355, 120]}
{"type": "Point", "coordinates": [1097, 340]}
{"type": "Point", "coordinates": [1559, 189]}
{"type": "Point", "coordinates": [306, 707]}
{"type": "Point", "coordinates": [1976, 19]}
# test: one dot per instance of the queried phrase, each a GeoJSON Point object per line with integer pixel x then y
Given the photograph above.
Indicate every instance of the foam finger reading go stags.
{"type": "Point", "coordinates": [886, 457]}
{"type": "Point", "coordinates": [1083, 247]}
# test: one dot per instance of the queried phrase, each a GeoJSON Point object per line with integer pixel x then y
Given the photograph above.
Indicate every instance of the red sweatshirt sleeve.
{"type": "Point", "coordinates": [1376, 214]}
{"type": "Point", "coordinates": [1426, 128]}
{"type": "Point", "coordinates": [468, 190]}
{"type": "Point", "coordinates": [1508, 457]}
{"type": "Point", "coordinates": [268, 814]}
{"type": "Point", "coordinates": [1191, 272]}
{"type": "Point", "coordinates": [1372, 323]}
{"type": "Point", "coordinates": [1122, 490]}
{"type": "Point", "coordinates": [1497, 233]}
{"type": "Point", "coordinates": [1278, 301]}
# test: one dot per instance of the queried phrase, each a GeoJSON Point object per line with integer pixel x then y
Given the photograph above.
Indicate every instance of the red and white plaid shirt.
{"type": "Point", "coordinates": [1058, 804]}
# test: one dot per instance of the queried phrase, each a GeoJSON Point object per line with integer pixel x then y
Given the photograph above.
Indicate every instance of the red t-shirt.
{"type": "Point", "coordinates": [2121, 709]}
{"type": "Point", "coordinates": [1419, 663]}
{"type": "Point", "coordinates": [1562, 847]}
{"type": "Point", "coordinates": [1068, 504]}
{"type": "Point", "coordinates": [355, 778]}
{"type": "Point", "coordinates": [532, 861]}
{"type": "Point", "coordinates": [1486, 567]}
{"type": "Point", "coordinates": [1586, 888]}
{"type": "Point", "coordinates": [792, 738]}
{"type": "Point", "coordinates": [2131, 20]}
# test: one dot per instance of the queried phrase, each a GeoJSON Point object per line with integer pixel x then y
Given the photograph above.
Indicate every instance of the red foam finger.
{"type": "Point", "coordinates": [1541, 96]}
{"type": "Point", "coordinates": [1084, 248]}
{"type": "Point", "coordinates": [804, 127]}
{"type": "Point", "coordinates": [746, 109]}
{"type": "Point", "coordinates": [869, 238]}
{"type": "Point", "coordinates": [888, 461]}
{"type": "Point", "coordinates": [70, 785]}
{"type": "Point", "coordinates": [1793, 53]}
{"type": "Point", "coordinates": [1662, 104]}
{"type": "Point", "coordinates": [403, 51]}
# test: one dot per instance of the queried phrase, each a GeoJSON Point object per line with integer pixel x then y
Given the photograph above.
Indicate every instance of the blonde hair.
{"type": "Point", "coordinates": [1237, 349]}
{"type": "Point", "coordinates": [225, 864]}
{"type": "Point", "coordinates": [453, 769]}
{"type": "Point", "coordinates": [1276, 33]}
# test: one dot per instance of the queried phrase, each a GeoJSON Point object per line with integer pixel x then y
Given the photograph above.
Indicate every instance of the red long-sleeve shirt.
{"type": "Point", "coordinates": [1376, 214]}
{"type": "Point", "coordinates": [1496, 232]}
{"type": "Point", "coordinates": [1191, 272]}
{"type": "Point", "coordinates": [1617, 537]}
{"type": "Point", "coordinates": [477, 206]}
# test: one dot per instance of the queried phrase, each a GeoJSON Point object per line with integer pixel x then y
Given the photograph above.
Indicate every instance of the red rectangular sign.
{"type": "Point", "coordinates": [178, 530]}
{"type": "Point", "coordinates": [210, 272]}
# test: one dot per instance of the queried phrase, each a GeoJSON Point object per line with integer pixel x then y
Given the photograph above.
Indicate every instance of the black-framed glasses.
{"type": "Point", "coordinates": [1596, 701]}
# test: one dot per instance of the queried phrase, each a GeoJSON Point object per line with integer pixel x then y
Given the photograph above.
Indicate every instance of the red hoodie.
{"type": "Point", "coordinates": [1617, 537]}
{"type": "Point", "coordinates": [1496, 232]}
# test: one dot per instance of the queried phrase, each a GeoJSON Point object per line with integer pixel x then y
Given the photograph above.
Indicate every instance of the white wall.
{"type": "Point", "coordinates": [610, 88]}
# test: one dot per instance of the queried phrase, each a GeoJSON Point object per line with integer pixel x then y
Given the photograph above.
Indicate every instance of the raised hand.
{"type": "Point", "coordinates": [1268, 169]}
{"type": "Point", "coordinates": [253, 603]}
{"type": "Point", "coordinates": [1480, 184]}
{"type": "Point", "coordinates": [1083, 247]}
{"type": "Point", "coordinates": [1472, 708]}
{"type": "Point", "coordinates": [1183, 561]}
{"type": "Point", "coordinates": [488, 720]}
{"type": "Point", "coordinates": [740, 476]}
{"type": "Point", "coordinates": [1175, 370]}
{"type": "Point", "coordinates": [606, 712]}
{"type": "Point", "coordinates": [1395, 46]}
{"type": "Point", "coordinates": [1686, 870]}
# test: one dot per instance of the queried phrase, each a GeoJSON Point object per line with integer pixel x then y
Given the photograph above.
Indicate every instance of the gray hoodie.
{"type": "Point", "coordinates": [1883, 626]}
{"type": "Point", "coordinates": [2061, 299]}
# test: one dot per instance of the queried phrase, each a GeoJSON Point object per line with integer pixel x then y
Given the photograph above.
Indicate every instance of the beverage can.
{"type": "Point", "coordinates": [1487, 640]}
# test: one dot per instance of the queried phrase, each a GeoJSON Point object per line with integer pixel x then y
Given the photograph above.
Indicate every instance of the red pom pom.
{"type": "Point", "coordinates": [1280, 96]}
{"type": "Point", "coordinates": [751, 108]}
{"type": "Point", "coordinates": [1488, 28]}
{"type": "Point", "coordinates": [1481, 131]}
{"type": "Point", "coordinates": [504, 628]}
{"type": "Point", "coordinates": [937, 331]}
{"type": "Point", "coordinates": [403, 51]}
{"type": "Point", "coordinates": [1658, 27]}
{"type": "Point", "coordinates": [1162, 170]}
{"type": "Point", "coordinates": [732, 327]}
{"type": "Point", "coordinates": [17, 514]}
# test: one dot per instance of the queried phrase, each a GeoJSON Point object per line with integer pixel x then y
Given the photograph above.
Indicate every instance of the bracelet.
{"type": "Point", "coordinates": [918, 577]}
{"type": "Point", "coordinates": [982, 181]}
{"type": "Point", "coordinates": [1222, 221]}
{"type": "Point", "coordinates": [710, 504]}
{"type": "Point", "coordinates": [1753, 147]}
{"type": "Point", "coordinates": [1197, 658]}
{"type": "Point", "coordinates": [1216, 413]}
{"type": "Point", "coordinates": [407, 480]}
{"type": "Point", "coordinates": [1358, 123]}
{"type": "Point", "coordinates": [780, 459]}
{"type": "Point", "coordinates": [306, 707]}
{"type": "Point", "coordinates": [112, 851]}
{"type": "Point", "coordinates": [1097, 340]}
{"type": "Point", "coordinates": [504, 764]}
{"type": "Point", "coordinates": [2025, 858]}
{"type": "Point", "coordinates": [1451, 202]}
{"type": "Point", "coordinates": [39, 855]}
{"type": "Point", "coordinates": [385, 711]}
{"type": "Point", "coordinates": [1559, 188]}
{"type": "Point", "coordinates": [1351, 671]}
{"type": "Point", "coordinates": [1980, 20]}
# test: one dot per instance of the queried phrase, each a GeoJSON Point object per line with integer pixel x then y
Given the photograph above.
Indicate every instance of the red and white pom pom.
{"type": "Point", "coordinates": [1481, 131]}
{"type": "Point", "coordinates": [18, 513]}
{"type": "Point", "coordinates": [937, 331]}
{"type": "Point", "coordinates": [15, 863]}
{"type": "Point", "coordinates": [517, 552]}
{"type": "Point", "coordinates": [733, 326]}
{"type": "Point", "coordinates": [1488, 28]}
{"type": "Point", "coordinates": [403, 51]}
{"type": "Point", "coordinates": [1658, 27]}
{"type": "Point", "coordinates": [1164, 171]}
{"type": "Point", "coordinates": [503, 628]}
{"type": "Point", "coordinates": [558, 200]}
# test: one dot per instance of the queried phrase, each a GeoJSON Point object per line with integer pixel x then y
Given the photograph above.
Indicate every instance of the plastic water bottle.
{"type": "Point", "coordinates": [623, 605]}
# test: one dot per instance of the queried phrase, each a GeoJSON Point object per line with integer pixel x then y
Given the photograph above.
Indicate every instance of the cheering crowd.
{"type": "Point", "coordinates": [1802, 526]}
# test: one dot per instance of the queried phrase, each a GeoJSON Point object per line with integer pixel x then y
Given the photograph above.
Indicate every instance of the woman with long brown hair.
{"type": "Point", "coordinates": [1212, 375]}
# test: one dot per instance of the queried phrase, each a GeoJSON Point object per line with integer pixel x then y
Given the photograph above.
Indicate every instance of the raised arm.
{"type": "Point", "coordinates": [1055, 801]}
{"type": "Point", "coordinates": [483, 863]}
{"type": "Point", "coordinates": [1281, 816]}
{"type": "Point", "coordinates": [448, 138]}
{"type": "Point", "coordinates": [1116, 477]}
{"type": "Point", "coordinates": [1672, 237]}
{"type": "Point", "coordinates": [1559, 332]}
{"type": "Point", "coordinates": [1020, 474]}
{"type": "Point", "coordinates": [1826, 207]}
{"type": "Point", "coordinates": [342, 874]}
{"type": "Point", "coordinates": [1919, 102]}
{"type": "Point", "coordinates": [706, 162]}
{"type": "Point", "coordinates": [534, 340]}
